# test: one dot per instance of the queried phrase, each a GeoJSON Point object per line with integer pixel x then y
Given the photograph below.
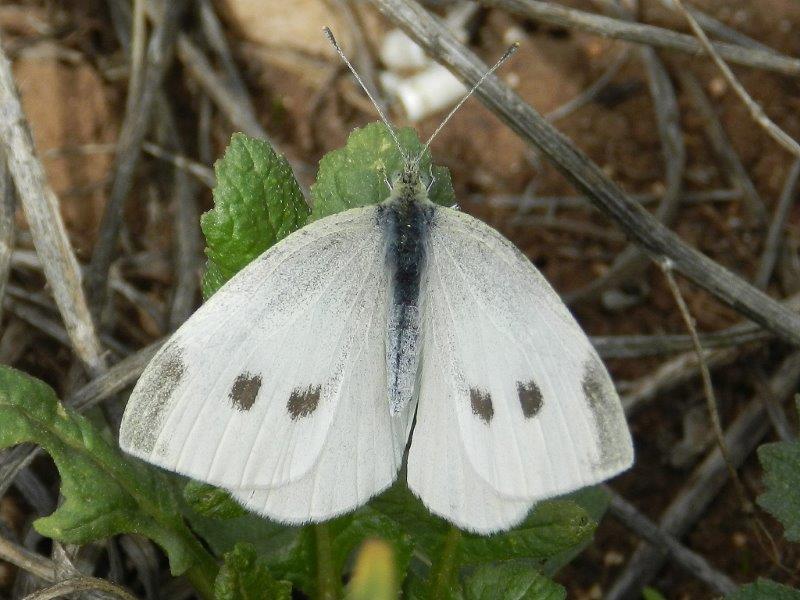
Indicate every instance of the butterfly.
{"type": "Point", "coordinates": [402, 333]}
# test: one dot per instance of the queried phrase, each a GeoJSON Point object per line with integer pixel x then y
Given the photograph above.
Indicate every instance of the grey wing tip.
{"type": "Point", "coordinates": [611, 426]}
{"type": "Point", "coordinates": [148, 404]}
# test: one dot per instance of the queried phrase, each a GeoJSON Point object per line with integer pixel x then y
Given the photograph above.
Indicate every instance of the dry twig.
{"type": "Point", "coordinates": [587, 177]}
{"type": "Point", "coordinates": [732, 166]}
{"type": "Point", "coordinates": [214, 34]}
{"type": "Point", "coordinates": [7, 206]}
{"type": "Point", "coordinates": [705, 374]}
{"type": "Point", "coordinates": [638, 346]}
{"type": "Point", "coordinates": [591, 92]}
{"type": "Point", "coordinates": [632, 261]}
{"type": "Point", "coordinates": [772, 244]}
{"type": "Point", "coordinates": [188, 245]}
{"type": "Point", "coordinates": [758, 114]}
{"type": "Point", "coordinates": [525, 202]}
{"type": "Point", "coordinates": [630, 517]}
{"type": "Point", "coordinates": [46, 225]}
{"type": "Point", "coordinates": [567, 225]}
{"type": "Point", "coordinates": [680, 369]}
{"type": "Point", "coordinates": [135, 127]}
{"type": "Point", "coordinates": [650, 35]}
{"type": "Point", "coordinates": [81, 584]}
{"type": "Point", "coordinates": [138, 51]}
{"type": "Point", "coordinates": [240, 115]}
{"type": "Point", "coordinates": [203, 173]}
{"type": "Point", "coordinates": [26, 560]}
{"type": "Point", "coordinates": [742, 437]}
{"type": "Point", "coordinates": [145, 558]}
{"type": "Point", "coordinates": [717, 28]}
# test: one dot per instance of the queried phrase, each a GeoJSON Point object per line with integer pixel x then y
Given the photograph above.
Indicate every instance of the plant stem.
{"type": "Point", "coordinates": [442, 570]}
{"type": "Point", "coordinates": [202, 576]}
{"type": "Point", "coordinates": [328, 583]}
{"type": "Point", "coordinates": [174, 536]}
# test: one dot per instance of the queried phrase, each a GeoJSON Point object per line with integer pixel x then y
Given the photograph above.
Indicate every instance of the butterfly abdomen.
{"type": "Point", "coordinates": [406, 223]}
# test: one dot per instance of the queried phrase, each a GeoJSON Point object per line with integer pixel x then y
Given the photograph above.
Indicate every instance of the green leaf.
{"type": "Point", "coordinates": [442, 581]}
{"type": "Point", "coordinates": [552, 527]}
{"type": "Point", "coordinates": [346, 533]}
{"type": "Point", "coordinates": [356, 174]}
{"type": "Point", "coordinates": [764, 589]}
{"type": "Point", "coordinates": [104, 492]}
{"type": "Point", "coordinates": [511, 582]}
{"type": "Point", "coordinates": [374, 574]}
{"type": "Point", "coordinates": [351, 531]}
{"type": "Point", "coordinates": [213, 279]}
{"type": "Point", "coordinates": [781, 462]}
{"type": "Point", "coordinates": [274, 542]}
{"type": "Point", "coordinates": [257, 202]}
{"type": "Point", "coordinates": [649, 593]}
{"type": "Point", "coordinates": [401, 505]}
{"type": "Point", "coordinates": [244, 576]}
{"type": "Point", "coordinates": [210, 501]}
{"type": "Point", "coordinates": [594, 500]}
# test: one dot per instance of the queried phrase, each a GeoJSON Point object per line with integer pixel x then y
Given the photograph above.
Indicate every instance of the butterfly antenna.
{"type": "Point", "coordinates": [381, 114]}
{"type": "Point", "coordinates": [508, 54]}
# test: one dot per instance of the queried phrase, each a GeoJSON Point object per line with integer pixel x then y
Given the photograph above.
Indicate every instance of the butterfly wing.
{"type": "Point", "coordinates": [260, 379]}
{"type": "Point", "coordinates": [534, 411]}
{"type": "Point", "coordinates": [352, 465]}
{"type": "Point", "coordinates": [439, 471]}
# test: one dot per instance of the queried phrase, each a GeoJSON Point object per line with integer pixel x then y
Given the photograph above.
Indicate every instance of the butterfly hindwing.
{"type": "Point", "coordinates": [261, 387]}
{"type": "Point", "coordinates": [535, 410]}
{"type": "Point", "coordinates": [439, 470]}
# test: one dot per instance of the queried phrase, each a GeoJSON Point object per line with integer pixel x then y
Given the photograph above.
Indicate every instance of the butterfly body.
{"type": "Point", "coordinates": [406, 218]}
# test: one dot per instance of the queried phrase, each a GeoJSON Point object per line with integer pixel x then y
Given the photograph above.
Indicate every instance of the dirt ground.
{"type": "Point", "coordinates": [72, 75]}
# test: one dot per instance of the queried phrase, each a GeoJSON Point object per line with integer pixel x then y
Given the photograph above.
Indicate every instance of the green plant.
{"type": "Point", "coordinates": [230, 554]}
{"type": "Point", "coordinates": [781, 462]}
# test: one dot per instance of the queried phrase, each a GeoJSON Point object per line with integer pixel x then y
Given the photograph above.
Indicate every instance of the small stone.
{"type": "Point", "coordinates": [739, 539]}
{"type": "Point", "coordinates": [613, 558]}
{"type": "Point", "coordinates": [717, 87]}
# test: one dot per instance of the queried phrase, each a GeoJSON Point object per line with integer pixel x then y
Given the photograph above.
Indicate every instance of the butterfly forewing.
{"type": "Point", "coordinates": [360, 455]}
{"type": "Point", "coordinates": [536, 412]}
{"type": "Point", "coordinates": [283, 363]}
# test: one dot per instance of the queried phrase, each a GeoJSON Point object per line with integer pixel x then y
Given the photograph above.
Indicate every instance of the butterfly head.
{"type": "Point", "coordinates": [408, 184]}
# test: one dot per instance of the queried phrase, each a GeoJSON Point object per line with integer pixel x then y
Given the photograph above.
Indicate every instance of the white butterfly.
{"type": "Point", "coordinates": [399, 330]}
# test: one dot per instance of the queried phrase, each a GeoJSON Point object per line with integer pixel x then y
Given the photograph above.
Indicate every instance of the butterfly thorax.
{"type": "Point", "coordinates": [407, 187]}
{"type": "Point", "coordinates": [406, 217]}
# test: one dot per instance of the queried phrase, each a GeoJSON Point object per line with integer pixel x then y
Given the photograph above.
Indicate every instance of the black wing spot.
{"type": "Point", "coordinates": [303, 402]}
{"type": "Point", "coordinates": [481, 402]}
{"type": "Point", "coordinates": [244, 391]}
{"type": "Point", "coordinates": [530, 398]}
